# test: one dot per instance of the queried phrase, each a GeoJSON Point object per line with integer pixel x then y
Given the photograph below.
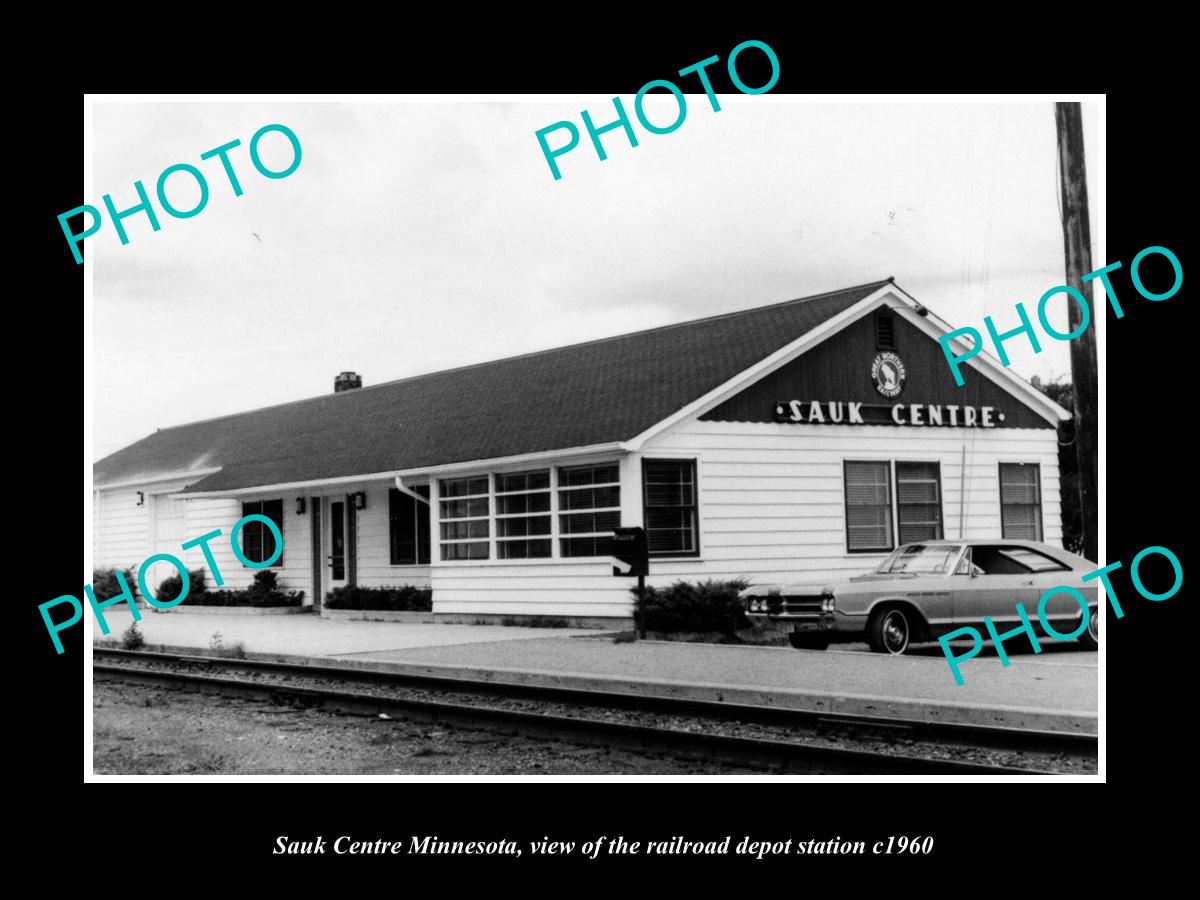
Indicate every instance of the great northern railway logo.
{"type": "Point", "coordinates": [887, 371]}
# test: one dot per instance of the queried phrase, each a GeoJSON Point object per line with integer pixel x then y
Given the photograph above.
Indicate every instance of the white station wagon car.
{"type": "Point", "coordinates": [927, 589]}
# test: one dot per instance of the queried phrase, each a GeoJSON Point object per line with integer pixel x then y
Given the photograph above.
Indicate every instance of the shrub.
{"type": "Point", "coordinates": [707, 606]}
{"type": "Point", "coordinates": [536, 621]}
{"type": "Point", "coordinates": [406, 598]}
{"type": "Point", "coordinates": [248, 597]}
{"type": "Point", "coordinates": [171, 587]}
{"type": "Point", "coordinates": [265, 582]}
{"type": "Point", "coordinates": [131, 637]}
{"type": "Point", "coordinates": [105, 584]}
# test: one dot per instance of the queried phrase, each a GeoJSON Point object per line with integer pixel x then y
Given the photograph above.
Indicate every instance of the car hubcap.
{"type": "Point", "coordinates": [1094, 625]}
{"type": "Point", "coordinates": [895, 632]}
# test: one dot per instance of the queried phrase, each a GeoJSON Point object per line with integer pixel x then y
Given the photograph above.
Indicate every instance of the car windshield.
{"type": "Point", "coordinates": [921, 559]}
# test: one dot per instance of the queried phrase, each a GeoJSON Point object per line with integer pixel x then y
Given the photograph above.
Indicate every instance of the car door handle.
{"type": "Point", "coordinates": [1030, 581]}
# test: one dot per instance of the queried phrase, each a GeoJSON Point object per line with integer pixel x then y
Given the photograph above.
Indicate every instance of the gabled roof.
{"type": "Point", "coordinates": [599, 392]}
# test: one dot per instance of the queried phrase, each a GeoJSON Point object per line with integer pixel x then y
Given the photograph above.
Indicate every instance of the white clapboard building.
{"type": "Point", "coordinates": [794, 441]}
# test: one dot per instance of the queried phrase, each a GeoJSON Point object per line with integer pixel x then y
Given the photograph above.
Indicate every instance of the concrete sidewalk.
{"type": "Point", "coordinates": [308, 635]}
{"type": "Point", "coordinates": [1052, 692]}
{"type": "Point", "coordinates": [1051, 695]}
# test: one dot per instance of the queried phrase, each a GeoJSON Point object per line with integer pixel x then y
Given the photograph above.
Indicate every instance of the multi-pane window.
{"type": "Point", "coordinates": [464, 514]}
{"type": "Point", "coordinates": [919, 501]}
{"type": "Point", "coordinates": [408, 527]}
{"type": "Point", "coordinates": [868, 506]}
{"type": "Point", "coordinates": [1021, 501]}
{"type": "Point", "coordinates": [523, 515]}
{"type": "Point", "coordinates": [669, 491]}
{"type": "Point", "coordinates": [258, 543]}
{"type": "Point", "coordinates": [589, 505]}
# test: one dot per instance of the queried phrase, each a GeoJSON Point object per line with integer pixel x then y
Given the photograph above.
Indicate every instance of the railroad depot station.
{"type": "Point", "coordinates": [793, 442]}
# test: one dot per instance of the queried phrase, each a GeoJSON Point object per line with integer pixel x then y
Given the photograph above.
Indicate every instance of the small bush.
{"type": "Point", "coordinates": [171, 587]}
{"type": "Point", "coordinates": [265, 582]}
{"type": "Point", "coordinates": [131, 637]}
{"type": "Point", "coordinates": [217, 645]}
{"type": "Point", "coordinates": [405, 598]}
{"type": "Point", "coordinates": [705, 606]}
{"type": "Point", "coordinates": [536, 621]}
{"type": "Point", "coordinates": [248, 597]}
{"type": "Point", "coordinates": [105, 584]}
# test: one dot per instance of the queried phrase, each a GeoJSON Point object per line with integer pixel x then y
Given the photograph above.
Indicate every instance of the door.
{"type": "Point", "coordinates": [336, 562]}
{"type": "Point", "coordinates": [318, 564]}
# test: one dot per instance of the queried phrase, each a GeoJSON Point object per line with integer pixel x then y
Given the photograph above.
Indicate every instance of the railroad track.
{"type": "Point", "coordinates": [456, 701]}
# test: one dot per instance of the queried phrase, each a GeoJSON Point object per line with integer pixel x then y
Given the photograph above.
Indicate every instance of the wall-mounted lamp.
{"type": "Point", "coordinates": [299, 506]}
{"type": "Point", "coordinates": [360, 500]}
{"type": "Point", "coordinates": [141, 498]}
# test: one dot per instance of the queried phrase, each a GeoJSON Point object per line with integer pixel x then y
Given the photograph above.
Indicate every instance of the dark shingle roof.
{"type": "Point", "coordinates": [599, 392]}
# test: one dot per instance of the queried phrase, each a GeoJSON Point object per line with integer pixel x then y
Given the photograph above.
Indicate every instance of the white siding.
{"type": "Point", "coordinates": [771, 495]}
{"type": "Point", "coordinates": [543, 588]}
{"type": "Point", "coordinates": [205, 514]}
{"type": "Point", "coordinates": [121, 538]}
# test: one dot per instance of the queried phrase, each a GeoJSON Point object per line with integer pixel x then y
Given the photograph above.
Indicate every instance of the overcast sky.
{"type": "Point", "coordinates": [418, 236]}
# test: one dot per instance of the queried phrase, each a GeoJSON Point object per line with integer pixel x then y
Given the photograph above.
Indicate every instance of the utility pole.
{"type": "Point", "coordinates": [1077, 243]}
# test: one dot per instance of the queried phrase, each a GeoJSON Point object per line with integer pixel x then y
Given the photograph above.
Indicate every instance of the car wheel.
{"type": "Point", "coordinates": [889, 631]}
{"type": "Point", "coordinates": [1091, 635]}
{"type": "Point", "coordinates": [802, 641]}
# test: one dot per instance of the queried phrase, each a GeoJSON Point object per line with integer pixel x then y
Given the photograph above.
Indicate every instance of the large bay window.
{"type": "Point", "coordinates": [465, 517]}
{"type": "Point", "coordinates": [589, 505]}
{"type": "Point", "coordinates": [523, 515]}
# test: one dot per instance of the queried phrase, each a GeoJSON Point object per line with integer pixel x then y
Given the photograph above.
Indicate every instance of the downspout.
{"type": "Point", "coordinates": [962, 494]}
{"type": "Point", "coordinates": [404, 489]}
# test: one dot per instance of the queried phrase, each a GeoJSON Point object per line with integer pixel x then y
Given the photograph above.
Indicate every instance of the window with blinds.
{"type": "Point", "coordinates": [464, 513]}
{"type": "Point", "coordinates": [919, 501]}
{"type": "Point", "coordinates": [669, 492]}
{"type": "Point", "coordinates": [589, 506]}
{"type": "Point", "coordinates": [523, 515]}
{"type": "Point", "coordinates": [868, 506]}
{"type": "Point", "coordinates": [1021, 501]}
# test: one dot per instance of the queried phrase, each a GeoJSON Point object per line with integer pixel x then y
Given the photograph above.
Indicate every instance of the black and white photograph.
{"type": "Point", "coordinates": [480, 437]}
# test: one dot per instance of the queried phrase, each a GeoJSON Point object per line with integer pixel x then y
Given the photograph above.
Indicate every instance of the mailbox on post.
{"type": "Point", "coordinates": [632, 557]}
{"type": "Point", "coordinates": [629, 549]}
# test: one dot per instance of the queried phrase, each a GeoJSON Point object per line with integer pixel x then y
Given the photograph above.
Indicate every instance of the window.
{"type": "Point", "coordinates": [408, 527]}
{"type": "Point", "coordinates": [1000, 560]}
{"type": "Point", "coordinates": [868, 506]}
{"type": "Point", "coordinates": [258, 543]}
{"type": "Point", "coordinates": [1021, 501]}
{"type": "Point", "coordinates": [464, 510]}
{"type": "Point", "coordinates": [921, 559]}
{"type": "Point", "coordinates": [589, 504]}
{"type": "Point", "coordinates": [919, 501]}
{"type": "Point", "coordinates": [523, 515]}
{"type": "Point", "coordinates": [669, 492]}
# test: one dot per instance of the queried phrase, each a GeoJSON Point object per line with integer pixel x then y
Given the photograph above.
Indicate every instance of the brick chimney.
{"type": "Point", "coordinates": [347, 381]}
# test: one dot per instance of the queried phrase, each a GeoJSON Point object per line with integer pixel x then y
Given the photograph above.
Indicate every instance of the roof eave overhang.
{"type": "Point", "coordinates": [443, 469]}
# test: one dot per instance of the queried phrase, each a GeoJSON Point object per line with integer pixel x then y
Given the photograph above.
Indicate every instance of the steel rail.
{"type": "Point", "coordinates": [792, 756]}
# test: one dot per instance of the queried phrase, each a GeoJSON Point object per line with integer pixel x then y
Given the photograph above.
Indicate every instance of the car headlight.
{"type": "Point", "coordinates": [827, 603]}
